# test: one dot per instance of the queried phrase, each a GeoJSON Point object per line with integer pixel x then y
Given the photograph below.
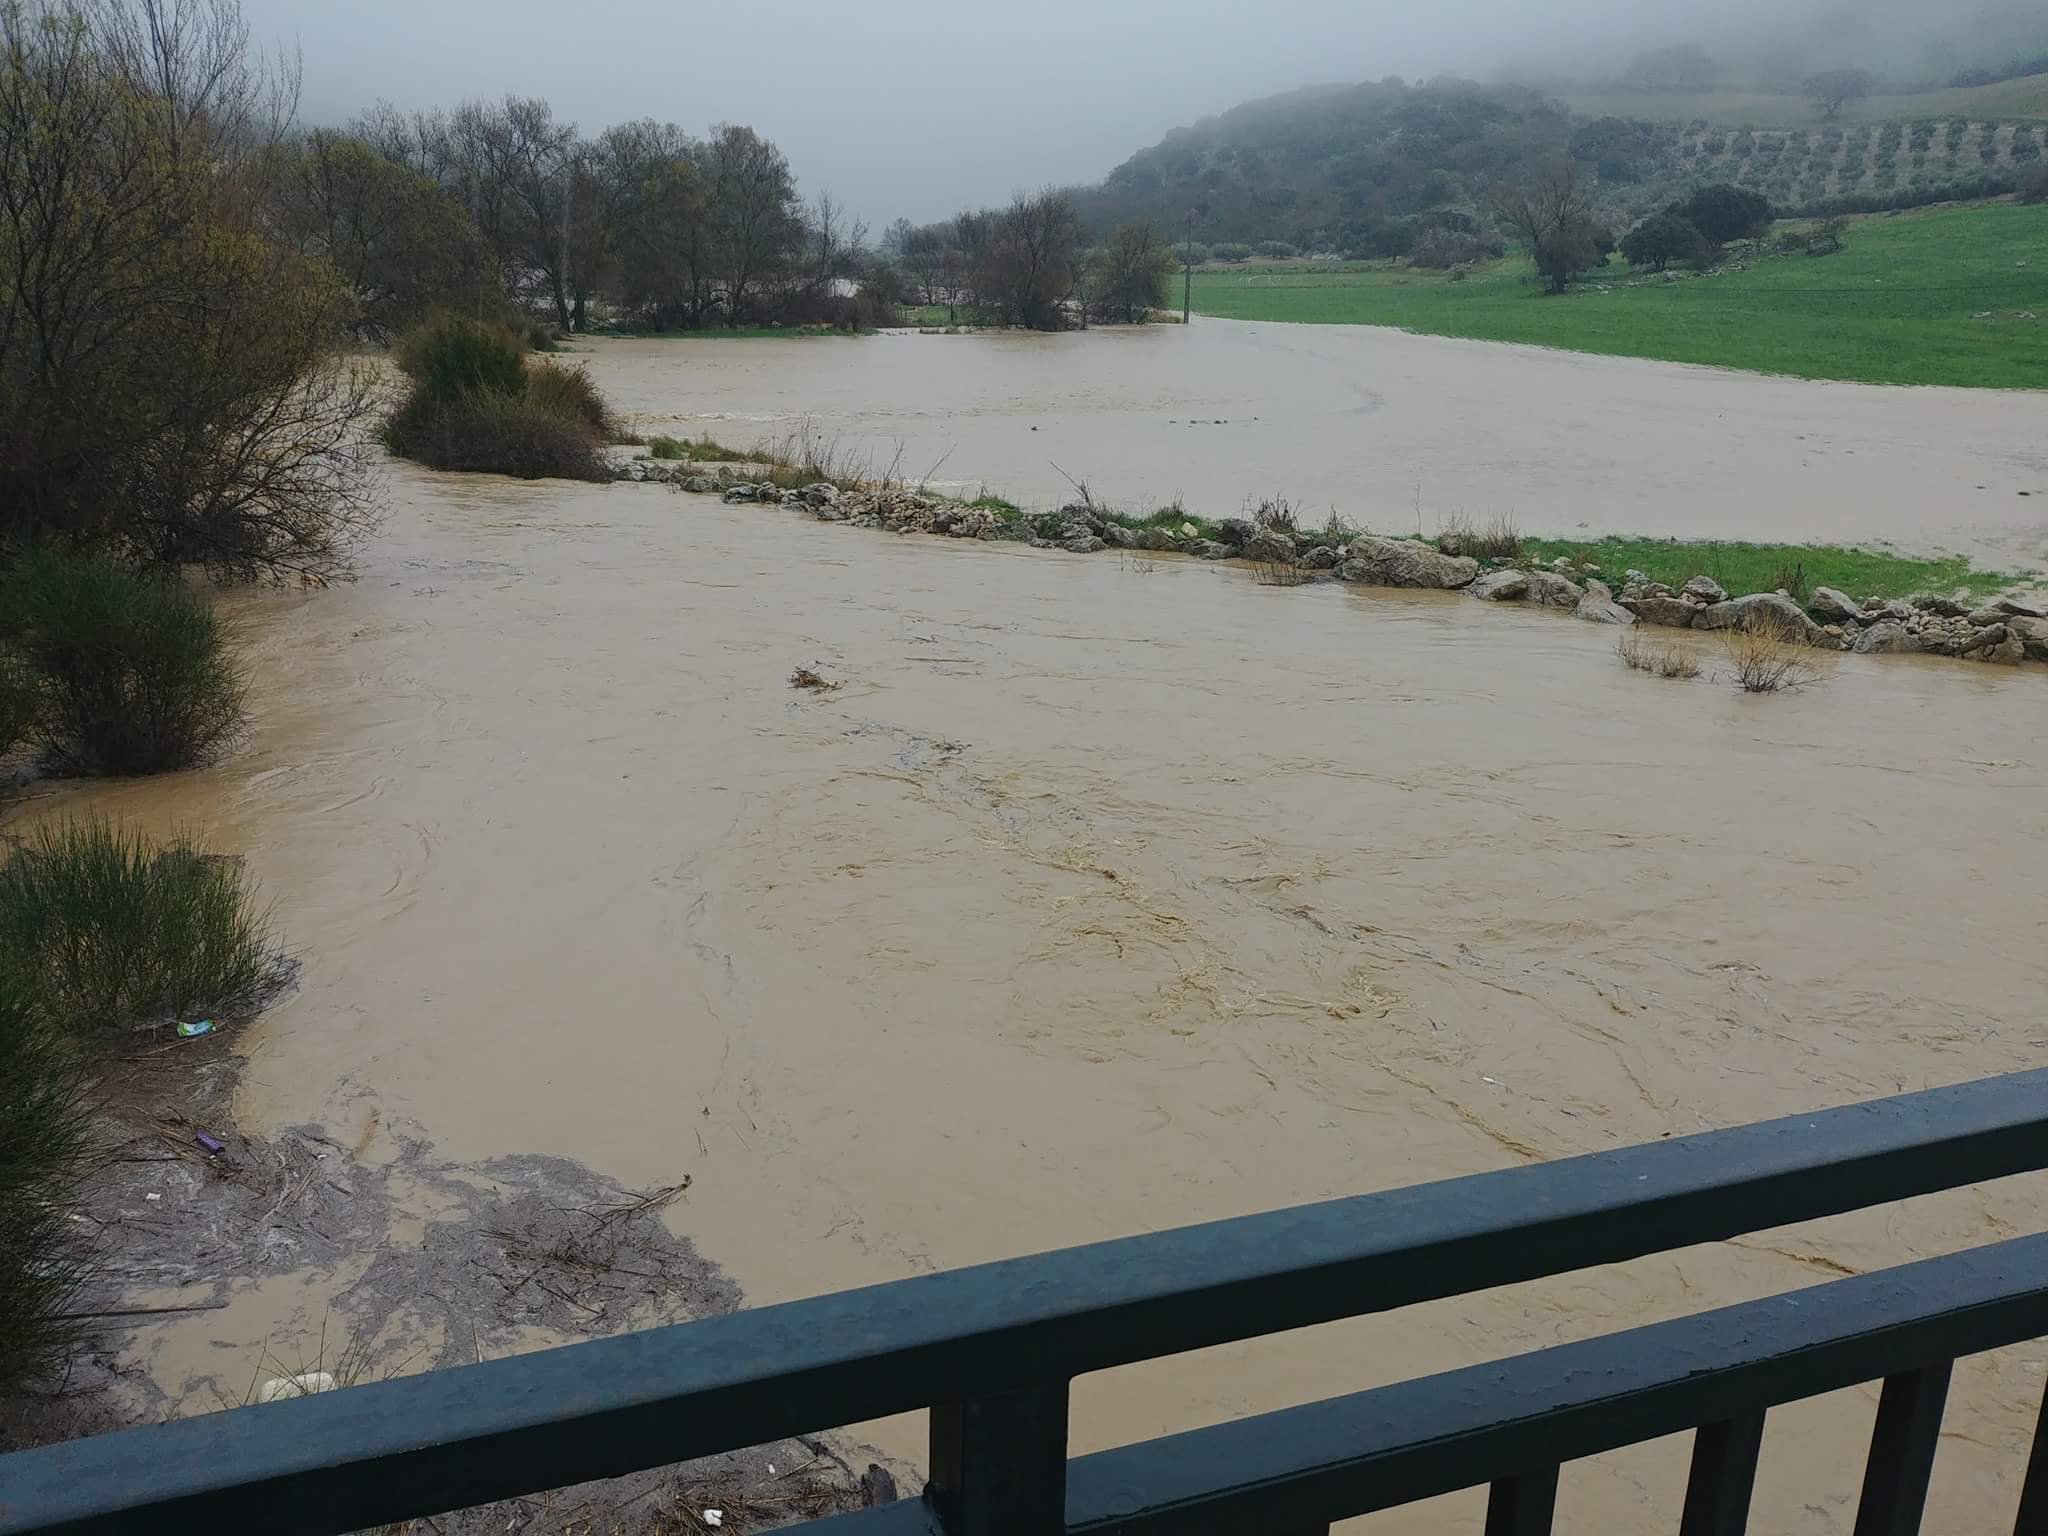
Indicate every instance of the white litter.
{"type": "Point", "coordinates": [714, 1517]}
{"type": "Point", "coordinates": [305, 1384]}
{"type": "Point", "coordinates": [152, 1197]}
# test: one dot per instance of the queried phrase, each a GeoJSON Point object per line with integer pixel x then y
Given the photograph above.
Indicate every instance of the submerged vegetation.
{"type": "Point", "coordinates": [477, 403]}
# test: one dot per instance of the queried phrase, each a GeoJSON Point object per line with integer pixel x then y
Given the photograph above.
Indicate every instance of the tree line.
{"type": "Point", "coordinates": [501, 202]}
{"type": "Point", "coordinates": [1030, 264]}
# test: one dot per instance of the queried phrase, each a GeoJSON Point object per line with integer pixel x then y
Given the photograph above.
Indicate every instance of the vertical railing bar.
{"type": "Point", "coordinates": [1522, 1505]}
{"type": "Point", "coordinates": [2033, 1517]}
{"type": "Point", "coordinates": [1902, 1452]}
{"type": "Point", "coordinates": [1723, 1477]}
{"type": "Point", "coordinates": [999, 1463]}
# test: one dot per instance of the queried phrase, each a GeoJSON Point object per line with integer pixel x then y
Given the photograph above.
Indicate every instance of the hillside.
{"type": "Point", "coordinates": [1332, 165]}
{"type": "Point", "coordinates": [1362, 170]}
{"type": "Point", "coordinates": [2026, 97]}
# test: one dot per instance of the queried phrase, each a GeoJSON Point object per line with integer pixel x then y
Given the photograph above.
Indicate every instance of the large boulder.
{"type": "Point", "coordinates": [1772, 608]}
{"type": "Point", "coordinates": [1235, 531]}
{"type": "Point", "coordinates": [2032, 635]}
{"type": "Point", "coordinates": [1987, 638]}
{"type": "Point", "coordinates": [1321, 558]}
{"type": "Point", "coordinates": [1833, 607]}
{"type": "Point", "coordinates": [1082, 544]}
{"type": "Point", "coordinates": [1672, 612]}
{"type": "Point", "coordinates": [2018, 609]}
{"type": "Point", "coordinates": [1599, 607]}
{"type": "Point", "coordinates": [1404, 563]}
{"type": "Point", "coordinates": [819, 493]}
{"type": "Point", "coordinates": [1209, 549]}
{"type": "Point", "coordinates": [1706, 589]}
{"type": "Point", "coordinates": [1269, 545]}
{"type": "Point", "coordinates": [1547, 589]}
{"type": "Point", "coordinates": [1887, 637]}
{"type": "Point", "coordinates": [1500, 586]}
{"type": "Point", "coordinates": [1947, 607]}
{"type": "Point", "coordinates": [703, 485]}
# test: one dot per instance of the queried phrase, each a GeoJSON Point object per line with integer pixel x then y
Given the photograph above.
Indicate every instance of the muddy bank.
{"type": "Point", "coordinates": [1109, 894]}
{"type": "Point", "coordinates": [229, 1268]}
{"type": "Point", "coordinates": [1397, 432]}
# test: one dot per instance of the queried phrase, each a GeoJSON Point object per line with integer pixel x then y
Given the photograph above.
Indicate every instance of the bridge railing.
{"type": "Point", "coordinates": [990, 1351]}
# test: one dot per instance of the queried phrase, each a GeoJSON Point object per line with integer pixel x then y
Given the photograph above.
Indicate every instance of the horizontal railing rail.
{"type": "Point", "coordinates": [990, 1352]}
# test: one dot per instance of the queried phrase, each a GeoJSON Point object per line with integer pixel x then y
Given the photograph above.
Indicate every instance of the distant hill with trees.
{"type": "Point", "coordinates": [1396, 169]}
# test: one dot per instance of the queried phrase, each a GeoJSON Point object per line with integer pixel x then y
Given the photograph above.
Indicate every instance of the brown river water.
{"type": "Point", "coordinates": [1108, 894]}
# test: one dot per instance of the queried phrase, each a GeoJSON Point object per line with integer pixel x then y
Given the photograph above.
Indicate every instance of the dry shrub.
{"type": "Point", "coordinates": [1496, 539]}
{"type": "Point", "coordinates": [1669, 659]}
{"type": "Point", "coordinates": [569, 392]}
{"type": "Point", "coordinates": [805, 677]}
{"type": "Point", "coordinates": [1277, 514]}
{"type": "Point", "coordinates": [1278, 573]}
{"type": "Point", "coordinates": [1766, 660]}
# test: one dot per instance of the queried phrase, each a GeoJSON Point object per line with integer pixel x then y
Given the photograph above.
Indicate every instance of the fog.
{"type": "Point", "coordinates": [916, 107]}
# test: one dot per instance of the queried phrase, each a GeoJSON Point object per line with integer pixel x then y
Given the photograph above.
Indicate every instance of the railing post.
{"type": "Point", "coordinates": [999, 1463]}
{"type": "Point", "coordinates": [2033, 1520]}
{"type": "Point", "coordinates": [1723, 1477]}
{"type": "Point", "coordinates": [1902, 1452]}
{"type": "Point", "coordinates": [1523, 1505]}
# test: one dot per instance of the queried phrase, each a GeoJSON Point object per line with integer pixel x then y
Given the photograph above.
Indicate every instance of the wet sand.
{"type": "Point", "coordinates": [1111, 894]}
{"type": "Point", "coordinates": [1390, 429]}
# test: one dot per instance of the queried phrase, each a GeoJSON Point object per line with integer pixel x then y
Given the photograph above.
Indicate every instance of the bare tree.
{"type": "Point", "coordinates": [833, 243]}
{"type": "Point", "coordinates": [1551, 212]}
{"type": "Point", "coordinates": [1033, 258]}
{"type": "Point", "coordinates": [1133, 272]}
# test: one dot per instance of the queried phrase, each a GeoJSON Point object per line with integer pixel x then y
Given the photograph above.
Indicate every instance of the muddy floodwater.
{"type": "Point", "coordinates": [1393, 430]}
{"type": "Point", "coordinates": [1107, 894]}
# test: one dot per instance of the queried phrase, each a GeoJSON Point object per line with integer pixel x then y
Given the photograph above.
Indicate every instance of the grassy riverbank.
{"type": "Point", "coordinates": [1948, 296]}
{"type": "Point", "coordinates": [1766, 567]}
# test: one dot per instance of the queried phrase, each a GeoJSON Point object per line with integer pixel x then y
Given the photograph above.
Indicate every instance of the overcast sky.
{"type": "Point", "coordinates": [918, 107]}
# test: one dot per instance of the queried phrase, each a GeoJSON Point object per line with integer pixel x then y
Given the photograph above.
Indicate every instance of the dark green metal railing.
{"type": "Point", "coordinates": [990, 1351]}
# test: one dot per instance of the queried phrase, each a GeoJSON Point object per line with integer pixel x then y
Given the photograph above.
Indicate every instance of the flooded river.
{"type": "Point", "coordinates": [1114, 893]}
{"type": "Point", "coordinates": [1395, 431]}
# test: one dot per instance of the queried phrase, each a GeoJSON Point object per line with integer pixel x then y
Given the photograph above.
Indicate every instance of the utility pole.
{"type": "Point", "coordinates": [1187, 271]}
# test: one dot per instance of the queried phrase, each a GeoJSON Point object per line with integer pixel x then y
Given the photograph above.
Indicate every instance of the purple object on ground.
{"type": "Point", "coordinates": [209, 1143]}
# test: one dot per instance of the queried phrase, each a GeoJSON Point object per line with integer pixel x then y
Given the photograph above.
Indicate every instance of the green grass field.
{"type": "Point", "coordinates": [2024, 97]}
{"type": "Point", "coordinates": [1933, 297]}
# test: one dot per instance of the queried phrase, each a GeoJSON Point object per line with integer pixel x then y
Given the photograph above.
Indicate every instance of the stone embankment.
{"type": "Point", "coordinates": [2006, 630]}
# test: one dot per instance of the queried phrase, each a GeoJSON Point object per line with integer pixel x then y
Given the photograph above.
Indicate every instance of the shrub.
{"type": "Point", "coordinates": [1660, 240]}
{"type": "Point", "coordinates": [1764, 661]}
{"type": "Point", "coordinates": [1278, 250]}
{"type": "Point", "coordinates": [18, 697]}
{"type": "Point", "coordinates": [667, 448]}
{"type": "Point", "coordinates": [2035, 188]}
{"type": "Point", "coordinates": [1723, 212]}
{"type": "Point", "coordinates": [450, 356]}
{"type": "Point", "coordinates": [569, 392]}
{"type": "Point", "coordinates": [1230, 250]}
{"type": "Point", "coordinates": [1496, 539]}
{"type": "Point", "coordinates": [132, 670]}
{"type": "Point", "coordinates": [488, 433]}
{"type": "Point", "coordinates": [1438, 248]}
{"type": "Point", "coordinates": [1276, 513]}
{"type": "Point", "coordinates": [1190, 252]}
{"type": "Point", "coordinates": [107, 929]}
{"type": "Point", "coordinates": [43, 1140]}
{"type": "Point", "coordinates": [1669, 659]}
